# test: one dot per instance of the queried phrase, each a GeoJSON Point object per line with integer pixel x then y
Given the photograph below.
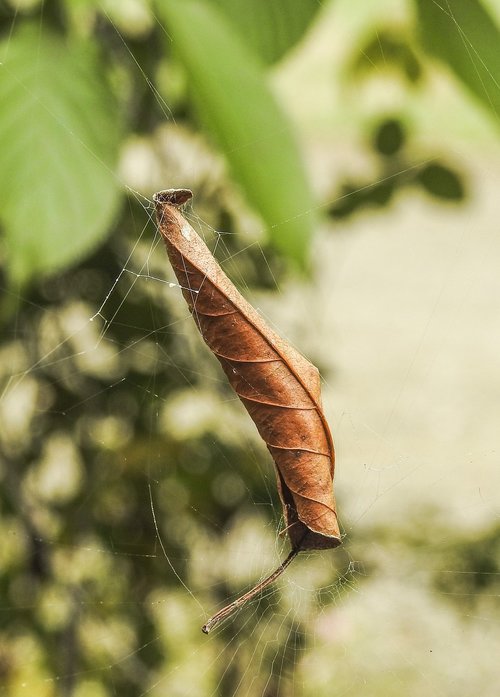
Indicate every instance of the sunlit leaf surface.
{"type": "Point", "coordinates": [271, 28]}
{"type": "Point", "coordinates": [250, 127]}
{"type": "Point", "coordinates": [58, 143]}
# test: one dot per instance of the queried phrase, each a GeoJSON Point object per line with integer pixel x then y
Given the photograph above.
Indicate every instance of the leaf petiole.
{"type": "Point", "coordinates": [239, 602]}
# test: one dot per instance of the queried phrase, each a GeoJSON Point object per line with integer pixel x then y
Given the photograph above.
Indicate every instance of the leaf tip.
{"type": "Point", "coordinates": [175, 197]}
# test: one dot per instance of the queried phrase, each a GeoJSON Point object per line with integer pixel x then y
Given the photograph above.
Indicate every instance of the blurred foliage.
{"type": "Point", "coordinates": [397, 171]}
{"type": "Point", "coordinates": [233, 100]}
{"type": "Point", "coordinates": [270, 28]}
{"type": "Point", "coordinates": [465, 36]}
{"type": "Point", "coordinates": [391, 49]}
{"type": "Point", "coordinates": [397, 52]}
{"type": "Point", "coordinates": [469, 572]}
{"type": "Point", "coordinates": [87, 93]}
{"type": "Point", "coordinates": [59, 136]}
{"type": "Point", "coordinates": [93, 412]}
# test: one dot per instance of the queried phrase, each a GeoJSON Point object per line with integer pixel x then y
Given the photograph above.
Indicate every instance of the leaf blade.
{"type": "Point", "coordinates": [59, 138]}
{"type": "Point", "coordinates": [253, 133]}
{"type": "Point", "coordinates": [464, 35]}
{"type": "Point", "coordinates": [270, 28]}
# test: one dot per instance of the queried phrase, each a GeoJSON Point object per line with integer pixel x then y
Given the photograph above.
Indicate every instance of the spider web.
{"type": "Point", "coordinates": [401, 317]}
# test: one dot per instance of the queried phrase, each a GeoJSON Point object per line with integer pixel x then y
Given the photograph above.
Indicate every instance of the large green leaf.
{"type": "Point", "coordinates": [59, 137]}
{"type": "Point", "coordinates": [270, 27]}
{"type": "Point", "coordinates": [466, 37]}
{"type": "Point", "coordinates": [229, 88]}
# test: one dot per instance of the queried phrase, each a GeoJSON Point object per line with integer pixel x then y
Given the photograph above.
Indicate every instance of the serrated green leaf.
{"type": "Point", "coordinates": [462, 34]}
{"type": "Point", "coordinates": [270, 27]}
{"type": "Point", "coordinates": [59, 139]}
{"type": "Point", "coordinates": [234, 101]}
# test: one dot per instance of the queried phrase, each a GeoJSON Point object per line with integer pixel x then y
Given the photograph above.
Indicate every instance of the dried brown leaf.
{"type": "Point", "coordinates": [279, 388]}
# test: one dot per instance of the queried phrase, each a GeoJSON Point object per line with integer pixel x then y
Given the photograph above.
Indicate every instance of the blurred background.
{"type": "Point", "coordinates": [345, 163]}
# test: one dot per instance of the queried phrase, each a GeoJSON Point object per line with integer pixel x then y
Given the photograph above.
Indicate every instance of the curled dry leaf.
{"type": "Point", "coordinates": [279, 388]}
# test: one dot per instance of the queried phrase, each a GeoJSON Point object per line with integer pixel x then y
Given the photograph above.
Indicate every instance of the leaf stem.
{"type": "Point", "coordinates": [239, 602]}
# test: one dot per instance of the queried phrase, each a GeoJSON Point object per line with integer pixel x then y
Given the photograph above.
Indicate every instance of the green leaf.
{"type": "Point", "coordinates": [387, 48]}
{"type": "Point", "coordinates": [59, 139]}
{"type": "Point", "coordinates": [442, 182]}
{"type": "Point", "coordinates": [270, 27]}
{"type": "Point", "coordinates": [233, 100]}
{"type": "Point", "coordinates": [462, 34]}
